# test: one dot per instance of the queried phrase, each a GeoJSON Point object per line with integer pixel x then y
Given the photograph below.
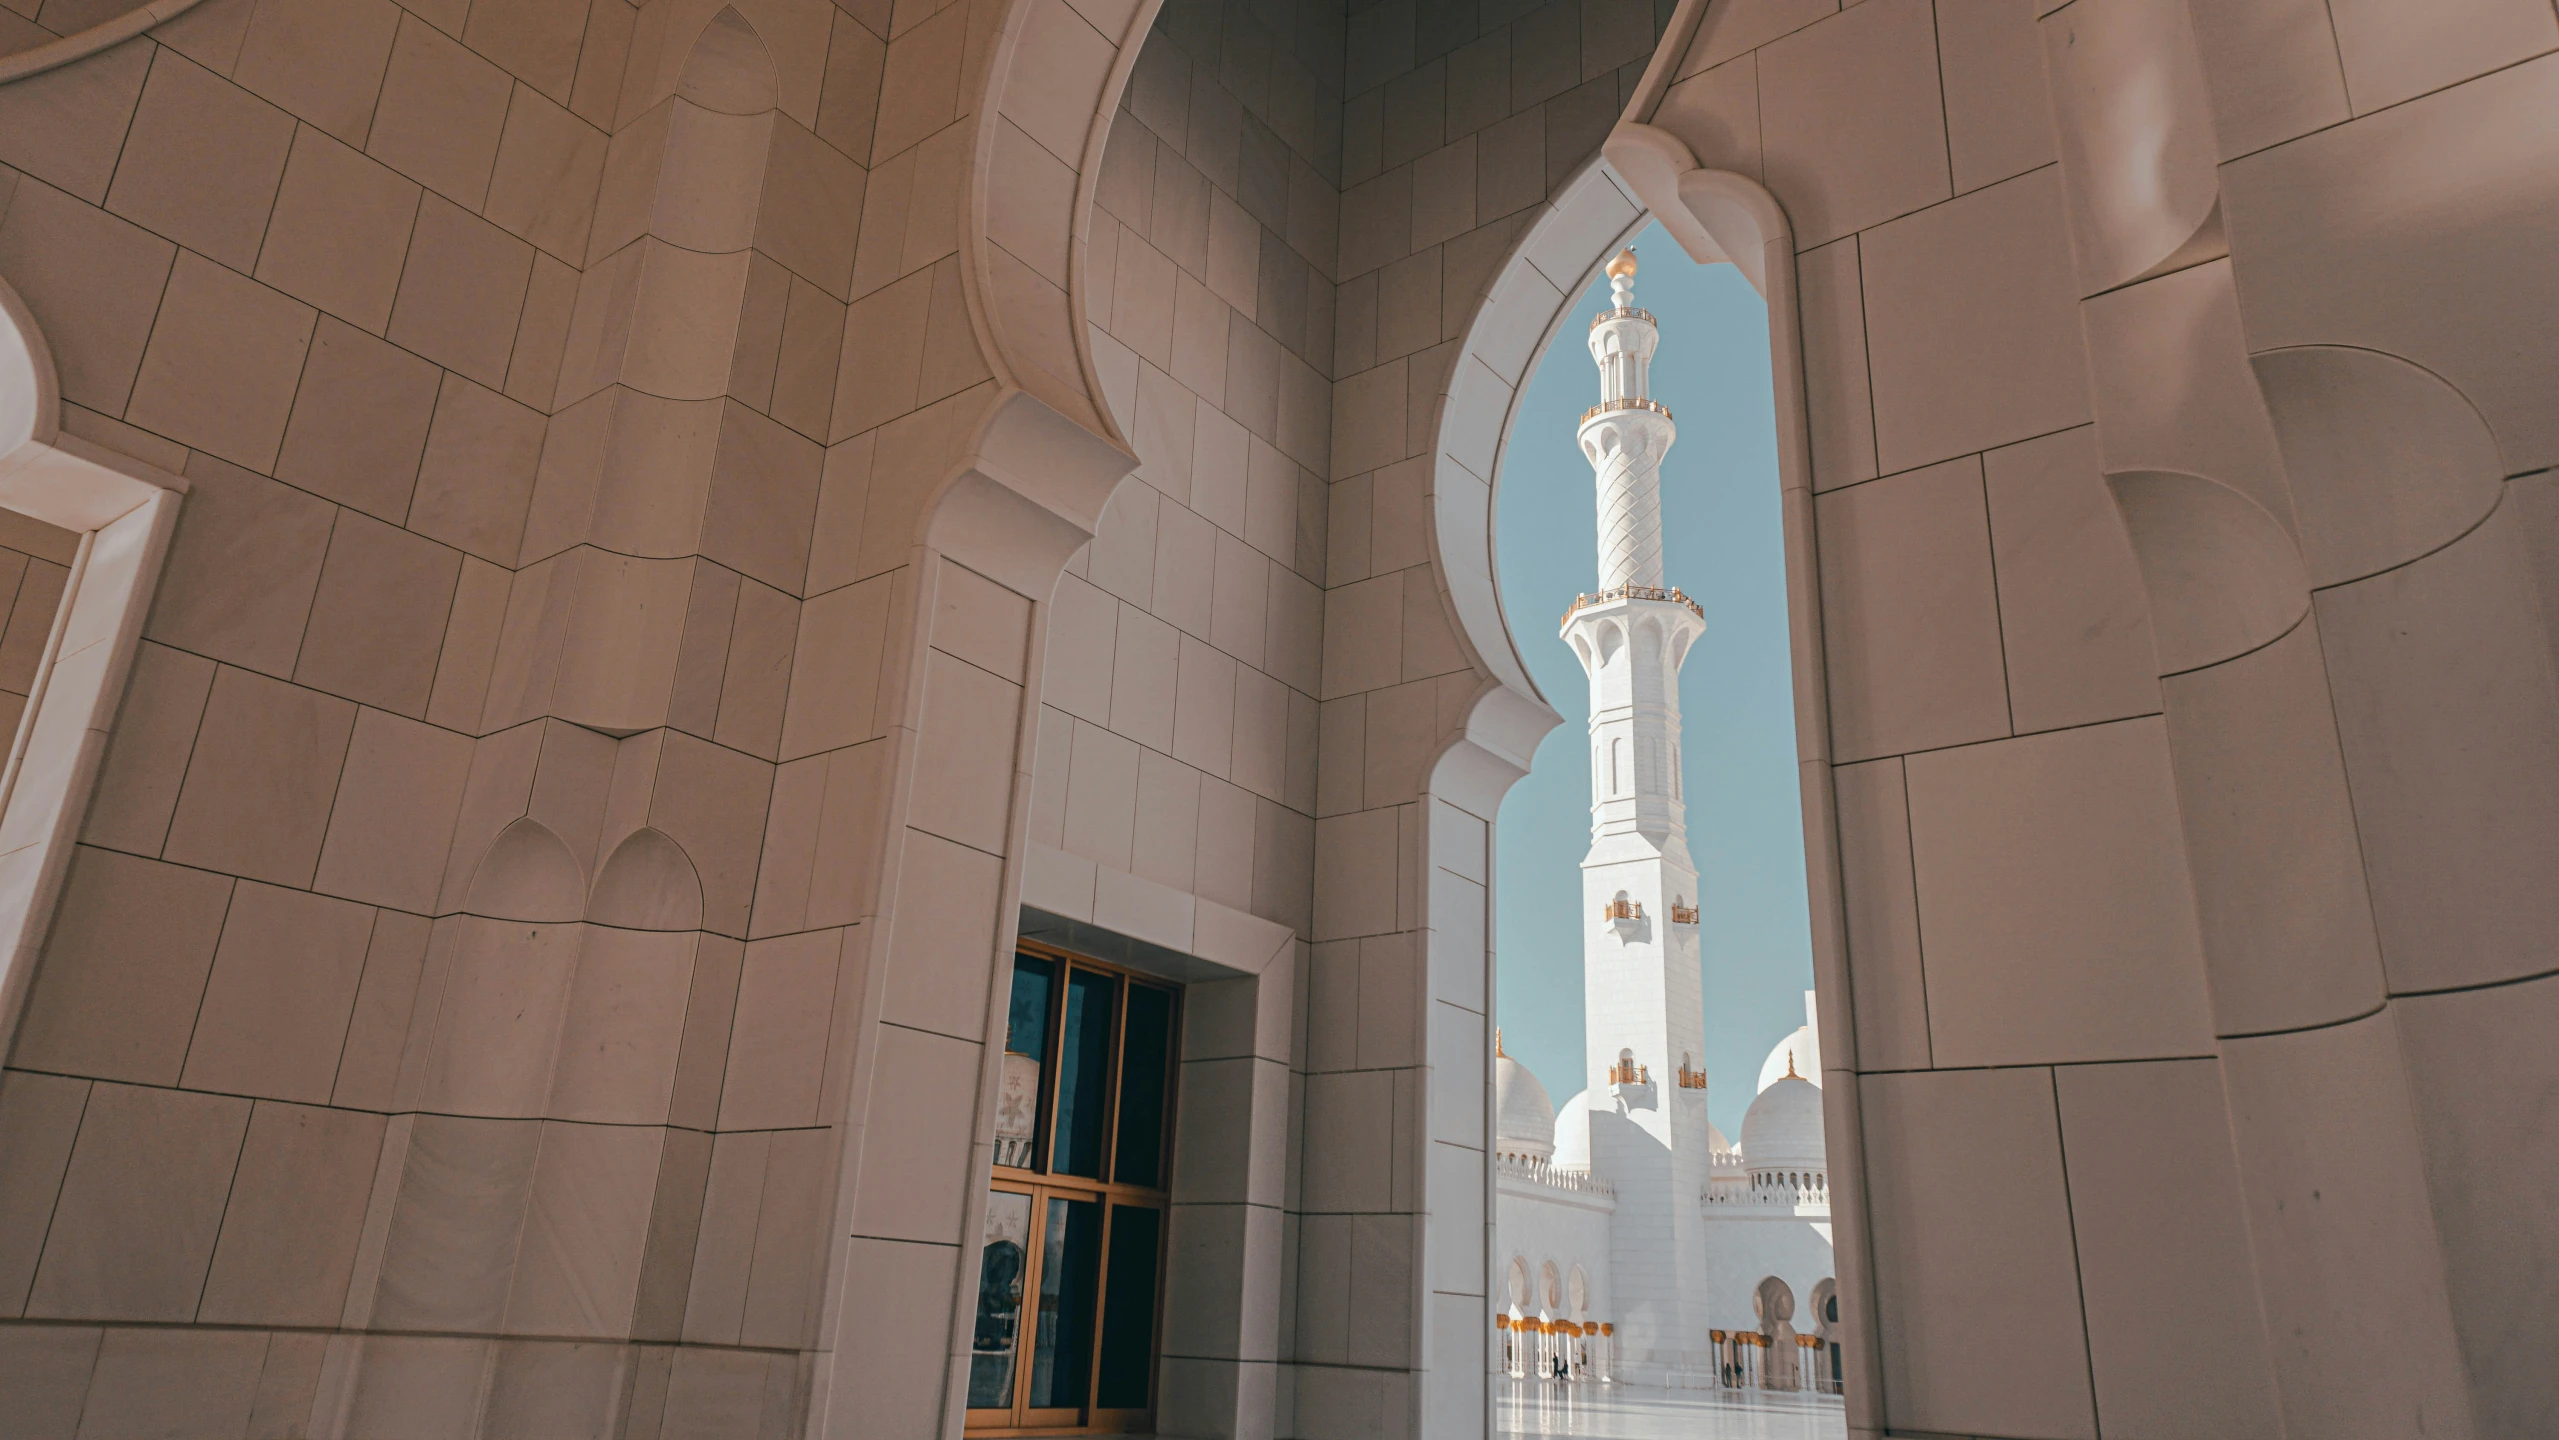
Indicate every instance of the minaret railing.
{"type": "Point", "coordinates": [1629, 402]}
{"type": "Point", "coordinates": [1632, 592]}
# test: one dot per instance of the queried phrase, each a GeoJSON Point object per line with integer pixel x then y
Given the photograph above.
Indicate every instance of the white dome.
{"type": "Point", "coordinates": [1803, 1050]}
{"type": "Point", "coordinates": [1523, 1118]}
{"type": "Point", "coordinates": [1572, 1133]}
{"type": "Point", "coordinates": [1784, 1127]}
{"type": "Point", "coordinates": [1715, 1138]}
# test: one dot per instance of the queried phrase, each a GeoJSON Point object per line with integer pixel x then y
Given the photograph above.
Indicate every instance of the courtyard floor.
{"type": "Point", "coordinates": [1626, 1412]}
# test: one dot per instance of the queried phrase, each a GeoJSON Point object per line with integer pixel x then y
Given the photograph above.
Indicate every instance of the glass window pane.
{"type": "Point", "coordinates": [1146, 1077]}
{"type": "Point", "coordinates": [1083, 1074]}
{"type": "Point", "coordinates": [1026, 1030]}
{"type": "Point", "coordinates": [1128, 1304]}
{"type": "Point", "coordinates": [999, 1300]}
{"type": "Point", "coordinates": [1017, 1096]}
{"type": "Point", "coordinates": [1070, 1264]}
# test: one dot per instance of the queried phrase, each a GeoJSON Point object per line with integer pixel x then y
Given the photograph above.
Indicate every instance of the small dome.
{"type": "Point", "coordinates": [1784, 1128]}
{"type": "Point", "coordinates": [1523, 1118]}
{"type": "Point", "coordinates": [1715, 1138]}
{"type": "Point", "coordinates": [1572, 1133]}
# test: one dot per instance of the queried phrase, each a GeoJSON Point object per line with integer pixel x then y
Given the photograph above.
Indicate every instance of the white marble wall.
{"type": "Point", "coordinates": [1460, 123]}
{"type": "Point", "coordinates": [1742, 1251]}
{"type": "Point", "coordinates": [1538, 1226]}
{"type": "Point", "coordinates": [556, 517]}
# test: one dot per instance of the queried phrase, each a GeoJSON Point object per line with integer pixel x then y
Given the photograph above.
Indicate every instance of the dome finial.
{"type": "Point", "coordinates": [1623, 265]}
{"type": "Point", "coordinates": [1790, 1063]}
{"type": "Point", "coordinates": [1498, 1052]}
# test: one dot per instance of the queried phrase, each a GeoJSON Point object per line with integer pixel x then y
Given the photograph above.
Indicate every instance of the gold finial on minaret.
{"type": "Point", "coordinates": [1624, 264]}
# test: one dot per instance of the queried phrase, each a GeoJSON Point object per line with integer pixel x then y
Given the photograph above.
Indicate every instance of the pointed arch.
{"type": "Point", "coordinates": [1055, 76]}
{"type": "Point", "coordinates": [1772, 1301]}
{"type": "Point", "coordinates": [124, 512]}
{"type": "Point", "coordinates": [647, 883]}
{"type": "Point", "coordinates": [1643, 173]}
{"type": "Point", "coordinates": [528, 874]}
{"type": "Point", "coordinates": [729, 69]}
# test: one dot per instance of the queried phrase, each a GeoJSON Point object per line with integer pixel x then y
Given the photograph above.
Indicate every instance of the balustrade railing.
{"type": "Point", "coordinates": [1622, 312]}
{"type": "Point", "coordinates": [1538, 1172]}
{"type": "Point", "coordinates": [1628, 402]}
{"type": "Point", "coordinates": [1732, 1185]}
{"type": "Point", "coordinates": [1633, 592]}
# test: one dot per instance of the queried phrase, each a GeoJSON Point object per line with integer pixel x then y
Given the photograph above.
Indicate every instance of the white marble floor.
{"type": "Point", "coordinates": [1626, 1412]}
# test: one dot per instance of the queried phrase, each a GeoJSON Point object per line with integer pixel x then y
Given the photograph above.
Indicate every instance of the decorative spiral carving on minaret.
{"type": "Point", "coordinates": [1630, 504]}
{"type": "Point", "coordinates": [1632, 635]}
{"type": "Point", "coordinates": [1625, 437]}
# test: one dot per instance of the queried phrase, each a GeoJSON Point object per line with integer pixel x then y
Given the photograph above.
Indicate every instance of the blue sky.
{"type": "Point", "coordinates": [1722, 546]}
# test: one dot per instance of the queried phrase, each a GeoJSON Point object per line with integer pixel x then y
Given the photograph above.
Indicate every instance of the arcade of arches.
{"type": "Point", "coordinates": [699, 527]}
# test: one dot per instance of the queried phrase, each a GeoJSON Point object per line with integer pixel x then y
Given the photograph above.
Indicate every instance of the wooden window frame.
{"type": "Point", "coordinates": [1042, 1183]}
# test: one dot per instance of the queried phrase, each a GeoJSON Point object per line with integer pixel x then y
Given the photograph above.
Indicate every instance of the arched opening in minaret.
{"type": "Point", "coordinates": [1652, 939]}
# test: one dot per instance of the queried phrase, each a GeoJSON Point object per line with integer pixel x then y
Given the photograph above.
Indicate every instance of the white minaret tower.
{"type": "Point", "coordinates": [1645, 1025]}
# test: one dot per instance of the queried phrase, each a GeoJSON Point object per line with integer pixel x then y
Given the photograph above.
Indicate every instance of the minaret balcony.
{"type": "Point", "coordinates": [1630, 402]}
{"type": "Point", "coordinates": [1626, 917]}
{"type": "Point", "coordinates": [1623, 312]}
{"type": "Point", "coordinates": [1632, 592]}
{"type": "Point", "coordinates": [1631, 1084]}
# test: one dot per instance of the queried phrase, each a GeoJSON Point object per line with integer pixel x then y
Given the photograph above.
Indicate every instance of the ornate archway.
{"type": "Point", "coordinates": [1718, 217]}
{"type": "Point", "coordinates": [124, 513]}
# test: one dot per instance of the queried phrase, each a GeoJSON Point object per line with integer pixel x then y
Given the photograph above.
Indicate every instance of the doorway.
{"type": "Point", "coordinates": [1070, 1289]}
{"type": "Point", "coordinates": [1707, 953]}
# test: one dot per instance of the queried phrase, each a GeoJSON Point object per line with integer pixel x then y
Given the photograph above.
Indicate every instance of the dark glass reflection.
{"type": "Point", "coordinates": [1083, 1075]}
{"type": "Point", "coordinates": [1146, 1073]}
{"type": "Point", "coordinates": [1002, 1268]}
{"type": "Point", "coordinates": [1070, 1264]}
{"type": "Point", "coordinates": [1026, 1030]}
{"type": "Point", "coordinates": [1128, 1304]}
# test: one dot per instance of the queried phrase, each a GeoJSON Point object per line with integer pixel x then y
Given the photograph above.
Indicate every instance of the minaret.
{"type": "Point", "coordinates": [1645, 1027]}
